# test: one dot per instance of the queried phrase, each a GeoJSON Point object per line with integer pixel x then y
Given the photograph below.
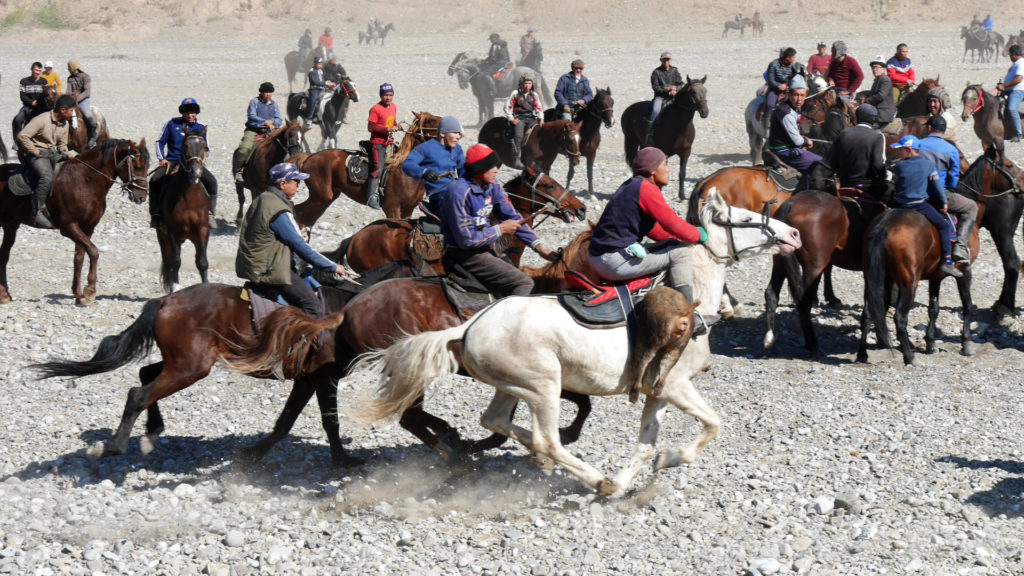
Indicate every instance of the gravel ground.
{"type": "Point", "coordinates": [821, 467]}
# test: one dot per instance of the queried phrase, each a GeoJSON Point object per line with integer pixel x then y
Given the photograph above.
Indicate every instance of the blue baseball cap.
{"type": "Point", "coordinates": [907, 142]}
{"type": "Point", "coordinates": [286, 171]}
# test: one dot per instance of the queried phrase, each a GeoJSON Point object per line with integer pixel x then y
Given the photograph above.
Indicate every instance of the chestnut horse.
{"type": "Point", "coordinates": [989, 124]}
{"type": "Point", "coordinates": [386, 241]}
{"type": "Point", "coordinates": [544, 142]}
{"type": "Point", "coordinates": [184, 205]}
{"type": "Point", "coordinates": [76, 205]}
{"type": "Point", "coordinates": [270, 149]}
{"type": "Point", "coordinates": [395, 309]}
{"type": "Point", "coordinates": [600, 110]}
{"type": "Point", "coordinates": [329, 178]}
{"type": "Point", "coordinates": [191, 328]}
{"type": "Point", "coordinates": [673, 129]}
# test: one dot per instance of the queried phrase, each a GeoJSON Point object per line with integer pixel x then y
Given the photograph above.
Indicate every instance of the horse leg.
{"type": "Point", "coordinates": [963, 285]}
{"type": "Point", "coordinates": [685, 397]}
{"type": "Point", "coordinates": [904, 301]}
{"type": "Point", "coordinates": [10, 233]}
{"type": "Point", "coordinates": [327, 400]}
{"type": "Point", "coordinates": [1002, 235]}
{"type": "Point", "coordinates": [202, 263]}
{"type": "Point", "coordinates": [154, 420]}
{"type": "Point", "coordinates": [809, 292]}
{"type": "Point", "coordinates": [240, 191]}
{"type": "Point", "coordinates": [590, 174]}
{"type": "Point", "coordinates": [682, 175]}
{"type": "Point", "coordinates": [650, 425]}
{"type": "Point", "coordinates": [76, 275]}
{"type": "Point", "coordinates": [568, 177]}
{"type": "Point", "coordinates": [168, 277]}
{"type": "Point", "coordinates": [571, 433]}
{"type": "Point", "coordinates": [771, 301]}
{"type": "Point", "coordinates": [542, 399]}
{"type": "Point", "coordinates": [933, 314]}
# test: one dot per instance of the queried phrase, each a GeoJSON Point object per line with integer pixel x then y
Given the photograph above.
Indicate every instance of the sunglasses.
{"type": "Point", "coordinates": [577, 68]}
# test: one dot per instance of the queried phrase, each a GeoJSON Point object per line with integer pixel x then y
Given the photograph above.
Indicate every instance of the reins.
{"type": "Point", "coordinates": [132, 184]}
{"type": "Point", "coordinates": [733, 255]}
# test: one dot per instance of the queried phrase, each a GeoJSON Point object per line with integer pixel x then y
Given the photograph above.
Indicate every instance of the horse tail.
{"type": "Point", "coordinates": [132, 344]}
{"type": "Point", "coordinates": [405, 371]}
{"type": "Point", "coordinates": [285, 340]}
{"type": "Point", "coordinates": [693, 204]}
{"type": "Point", "coordinates": [875, 280]}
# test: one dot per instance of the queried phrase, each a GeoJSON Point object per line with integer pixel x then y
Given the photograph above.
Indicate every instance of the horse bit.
{"type": "Point", "coordinates": [733, 255]}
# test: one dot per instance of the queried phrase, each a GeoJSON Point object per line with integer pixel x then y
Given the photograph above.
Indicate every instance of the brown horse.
{"type": "Point", "coordinates": [329, 177]}
{"type": "Point", "coordinates": [271, 148]}
{"type": "Point", "coordinates": [184, 205]}
{"type": "Point", "coordinates": [191, 328]}
{"type": "Point", "coordinates": [673, 129]}
{"type": "Point", "coordinates": [386, 241]}
{"type": "Point", "coordinates": [543, 143]}
{"type": "Point", "coordinates": [76, 205]}
{"type": "Point", "coordinates": [600, 110]}
{"type": "Point", "coordinates": [734, 25]}
{"type": "Point", "coordinates": [293, 66]}
{"type": "Point", "coordinates": [395, 308]}
{"type": "Point", "coordinates": [989, 125]}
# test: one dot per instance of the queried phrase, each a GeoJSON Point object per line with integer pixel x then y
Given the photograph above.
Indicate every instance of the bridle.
{"type": "Point", "coordinates": [602, 114]}
{"type": "Point", "coordinates": [733, 255]}
{"type": "Point", "coordinates": [135, 186]}
{"type": "Point", "coordinates": [981, 98]}
{"type": "Point", "coordinates": [193, 163]}
{"type": "Point", "coordinates": [288, 145]}
{"type": "Point", "coordinates": [347, 88]}
{"type": "Point", "coordinates": [568, 138]}
{"type": "Point", "coordinates": [547, 202]}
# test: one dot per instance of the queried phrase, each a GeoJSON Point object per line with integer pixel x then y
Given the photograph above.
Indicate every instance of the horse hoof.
{"type": "Point", "coordinates": [967, 349]}
{"type": "Point", "coordinates": [836, 304]}
{"type": "Point", "coordinates": [666, 460]}
{"type": "Point", "coordinates": [999, 309]}
{"type": "Point", "coordinates": [85, 302]}
{"type": "Point", "coordinates": [347, 461]}
{"type": "Point", "coordinates": [95, 450]}
{"type": "Point", "coordinates": [147, 444]}
{"type": "Point", "coordinates": [175, 287]}
{"type": "Point", "coordinates": [607, 488]}
{"type": "Point", "coordinates": [546, 465]}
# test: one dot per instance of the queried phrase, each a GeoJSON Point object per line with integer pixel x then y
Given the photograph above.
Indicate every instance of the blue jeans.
{"type": "Point", "coordinates": [1013, 109]}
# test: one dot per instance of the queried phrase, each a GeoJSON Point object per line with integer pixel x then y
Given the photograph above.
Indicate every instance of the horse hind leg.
{"type": "Point", "coordinates": [10, 233]}
{"type": "Point", "coordinates": [202, 263]}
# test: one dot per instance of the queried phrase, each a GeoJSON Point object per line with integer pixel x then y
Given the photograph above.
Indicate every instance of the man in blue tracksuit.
{"type": "Point", "coordinates": [916, 181]}
{"type": "Point", "coordinates": [168, 152]}
{"type": "Point", "coordinates": [437, 162]}
{"type": "Point", "coordinates": [946, 158]}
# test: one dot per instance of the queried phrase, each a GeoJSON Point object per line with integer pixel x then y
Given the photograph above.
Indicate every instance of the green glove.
{"type": "Point", "coordinates": [703, 234]}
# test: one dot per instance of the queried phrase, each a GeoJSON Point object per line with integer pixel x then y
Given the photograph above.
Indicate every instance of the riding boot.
{"type": "Point", "coordinates": [965, 225]}
{"type": "Point", "coordinates": [517, 162]}
{"type": "Point", "coordinates": [39, 219]}
{"type": "Point", "coordinates": [154, 206]}
{"type": "Point", "coordinates": [92, 129]}
{"type": "Point", "coordinates": [373, 193]}
{"type": "Point", "coordinates": [648, 132]}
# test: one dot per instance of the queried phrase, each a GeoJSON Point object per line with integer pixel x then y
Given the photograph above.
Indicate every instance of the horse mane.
{"type": "Point", "coordinates": [107, 148]}
{"type": "Point", "coordinates": [407, 144]}
{"type": "Point", "coordinates": [550, 278]}
{"type": "Point", "coordinates": [275, 134]}
{"type": "Point", "coordinates": [971, 182]}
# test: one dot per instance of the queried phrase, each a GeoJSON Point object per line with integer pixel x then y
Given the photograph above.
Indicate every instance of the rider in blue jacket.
{"type": "Point", "coordinates": [437, 162]}
{"type": "Point", "coordinates": [168, 152]}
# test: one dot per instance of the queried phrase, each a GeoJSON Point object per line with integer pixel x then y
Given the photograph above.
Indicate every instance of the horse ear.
{"type": "Point", "coordinates": [716, 201]}
{"type": "Point", "coordinates": [704, 78]}
{"type": "Point", "coordinates": [142, 143]}
{"type": "Point", "coordinates": [968, 83]}
{"type": "Point", "coordinates": [688, 79]}
{"type": "Point", "coordinates": [608, 90]}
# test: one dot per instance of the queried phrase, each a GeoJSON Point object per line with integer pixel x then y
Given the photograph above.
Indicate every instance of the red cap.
{"type": "Point", "coordinates": [477, 152]}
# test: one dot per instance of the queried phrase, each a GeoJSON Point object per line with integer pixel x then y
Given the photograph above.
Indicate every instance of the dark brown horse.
{"type": "Point", "coordinates": [386, 241]}
{"type": "Point", "coordinates": [184, 205]}
{"type": "Point", "coordinates": [543, 144]}
{"type": "Point", "coordinates": [600, 110]}
{"type": "Point", "coordinates": [271, 148]}
{"type": "Point", "coordinates": [191, 328]}
{"type": "Point", "coordinates": [76, 205]}
{"type": "Point", "coordinates": [395, 308]}
{"type": "Point", "coordinates": [673, 130]}
{"type": "Point", "coordinates": [989, 125]}
{"type": "Point", "coordinates": [329, 177]}
{"type": "Point", "coordinates": [293, 66]}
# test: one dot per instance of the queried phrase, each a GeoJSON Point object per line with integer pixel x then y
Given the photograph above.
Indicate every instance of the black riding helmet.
{"type": "Point", "coordinates": [188, 105]}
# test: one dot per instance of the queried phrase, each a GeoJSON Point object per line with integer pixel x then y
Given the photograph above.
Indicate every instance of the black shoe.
{"type": "Point", "coordinates": [951, 271]}
{"type": "Point", "coordinates": [1015, 139]}
{"type": "Point", "coordinates": [41, 221]}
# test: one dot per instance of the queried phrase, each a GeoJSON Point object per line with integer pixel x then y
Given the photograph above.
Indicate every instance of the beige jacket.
{"type": "Point", "coordinates": [43, 133]}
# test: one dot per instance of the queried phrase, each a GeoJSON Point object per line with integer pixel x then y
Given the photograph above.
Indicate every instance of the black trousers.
{"type": "Point", "coordinates": [498, 276]}
{"type": "Point", "coordinates": [298, 294]}
{"type": "Point", "coordinates": [156, 182]}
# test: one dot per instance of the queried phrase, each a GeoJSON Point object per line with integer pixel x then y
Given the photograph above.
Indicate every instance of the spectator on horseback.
{"type": "Point", "coordinates": [523, 109]}
{"type": "Point", "coordinates": [270, 243]}
{"type": "Point", "coordinates": [572, 91]}
{"type": "Point", "coordinates": [466, 213]}
{"type": "Point", "coordinates": [334, 71]}
{"type": "Point", "coordinates": [1013, 87]}
{"type": "Point", "coordinates": [51, 77]}
{"type": "Point", "coordinates": [438, 162]}
{"type": "Point", "coordinates": [818, 63]}
{"type": "Point", "coordinates": [80, 87]}
{"type": "Point", "coordinates": [497, 55]}
{"type": "Point", "coordinates": [262, 116]}
{"type": "Point", "coordinates": [901, 72]}
{"type": "Point", "coordinates": [881, 93]}
{"type": "Point", "coordinates": [665, 81]}
{"type": "Point", "coordinates": [327, 41]}
{"type": "Point", "coordinates": [168, 153]}
{"type": "Point", "coordinates": [858, 155]}
{"type": "Point", "coordinates": [318, 86]}
{"type": "Point", "coordinates": [779, 74]}
{"type": "Point", "coordinates": [946, 158]}
{"type": "Point", "coordinates": [526, 43]}
{"type": "Point", "coordinates": [844, 71]}
{"type": "Point", "coordinates": [382, 126]}
{"type": "Point", "coordinates": [784, 137]}
{"type": "Point", "coordinates": [916, 182]}
{"type": "Point", "coordinates": [305, 44]}
{"type": "Point", "coordinates": [636, 211]}
{"type": "Point", "coordinates": [45, 143]}
{"type": "Point", "coordinates": [975, 22]}
{"type": "Point", "coordinates": [30, 90]}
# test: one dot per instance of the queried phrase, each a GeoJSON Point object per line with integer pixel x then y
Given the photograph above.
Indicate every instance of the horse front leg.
{"type": "Point", "coordinates": [650, 425]}
{"type": "Point", "coordinates": [302, 390]}
{"type": "Point", "coordinates": [933, 313]}
{"type": "Point", "coordinates": [684, 396]}
{"type": "Point", "coordinates": [590, 175]}
{"type": "Point", "coordinates": [202, 263]}
{"type": "Point", "coordinates": [771, 301]}
{"type": "Point", "coordinates": [76, 279]}
{"type": "Point", "coordinates": [10, 233]}
{"type": "Point", "coordinates": [1003, 238]}
{"type": "Point", "coordinates": [327, 400]}
{"type": "Point", "coordinates": [963, 285]}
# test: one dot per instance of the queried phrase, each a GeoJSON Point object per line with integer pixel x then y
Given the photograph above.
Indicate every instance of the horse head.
{"type": "Point", "coordinates": [460, 68]}
{"type": "Point", "coordinates": [130, 164]}
{"type": "Point", "coordinates": [534, 192]}
{"type": "Point", "coordinates": [694, 96]}
{"type": "Point", "coordinates": [290, 137]}
{"type": "Point", "coordinates": [972, 99]}
{"type": "Point", "coordinates": [816, 84]}
{"type": "Point", "coordinates": [193, 155]}
{"type": "Point", "coordinates": [735, 233]}
{"type": "Point", "coordinates": [424, 126]}
{"type": "Point", "coordinates": [50, 95]}
{"type": "Point", "coordinates": [603, 106]}
{"type": "Point", "coordinates": [347, 89]}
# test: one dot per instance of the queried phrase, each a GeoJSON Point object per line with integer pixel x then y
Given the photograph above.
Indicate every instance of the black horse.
{"type": "Point", "coordinates": [534, 59]}
{"type": "Point", "coordinates": [334, 112]}
{"type": "Point", "coordinates": [600, 110]}
{"type": "Point", "coordinates": [469, 73]}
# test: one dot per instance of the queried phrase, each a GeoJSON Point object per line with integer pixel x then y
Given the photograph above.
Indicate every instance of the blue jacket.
{"type": "Point", "coordinates": [568, 90]}
{"type": "Point", "coordinates": [466, 216]}
{"type": "Point", "coordinates": [916, 180]}
{"type": "Point", "coordinates": [946, 158]}
{"type": "Point", "coordinates": [259, 112]}
{"type": "Point", "coordinates": [173, 137]}
{"type": "Point", "coordinates": [432, 155]}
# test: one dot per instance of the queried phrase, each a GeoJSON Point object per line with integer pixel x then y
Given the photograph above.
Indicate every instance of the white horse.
{"type": "Point", "coordinates": [529, 349]}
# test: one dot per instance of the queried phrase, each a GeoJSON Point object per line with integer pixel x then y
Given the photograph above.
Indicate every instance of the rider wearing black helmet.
{"type": "Point", "coordinates": [318, 83]}
{"type": "Point", "coordinates": [168, 152]}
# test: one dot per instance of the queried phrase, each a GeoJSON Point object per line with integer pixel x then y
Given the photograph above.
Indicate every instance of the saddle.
{"type": "Point", "coordinates": [22, 180]}
{"type": "Point", "coordinates": [426, 243]}
{"type": "Point", "coordinates": [602, 306]}
{"type": "Point", "coordinates": [784, 177]}
{"type": "Point", "coordinates": [502, 73]}
{"type": "Point", "coordinates": [358, 164]}
{"type": "Point", "coordinates": [465, 293]}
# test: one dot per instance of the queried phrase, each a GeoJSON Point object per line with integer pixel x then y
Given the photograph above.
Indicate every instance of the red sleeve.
{"type": "Point", "coordinates": [668, 224]}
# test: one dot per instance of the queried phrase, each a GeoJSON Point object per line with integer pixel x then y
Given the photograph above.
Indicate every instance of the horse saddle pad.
{"type": "Point", "coordinates": [467, 300]}
{"type": "Point", "coordinates": [22, 181]}
{"type": "Point", "coordinates": [261, 307]}
{"type": "Point", "coordinates": [602, 305]}
{"type": "Point", "coordinates": [784, 177]}
{"type": "Point", "coordinates": [500, 74]}
{"type": "Point", "coordinates": [358, 166]}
